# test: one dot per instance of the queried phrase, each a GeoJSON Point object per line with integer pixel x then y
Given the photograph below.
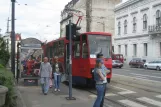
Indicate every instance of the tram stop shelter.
{"type": "Point", "coordinates": [29, 53]}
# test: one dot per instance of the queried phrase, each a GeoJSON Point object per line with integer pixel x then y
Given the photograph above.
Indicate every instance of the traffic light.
{"type": "Point", "coordinates": [74, 31]}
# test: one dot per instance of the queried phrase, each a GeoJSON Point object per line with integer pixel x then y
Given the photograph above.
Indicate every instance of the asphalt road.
{"type": "Point", "coordinates": [139, 73]}
{"type": "Point", "coordinates": [133, 87]}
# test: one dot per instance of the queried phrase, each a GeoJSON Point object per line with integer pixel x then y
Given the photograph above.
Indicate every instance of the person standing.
{"type": "Point", "coordinates": [104, 71]}
{"type": "Point", "coordinates": [45, 75]}
{"type": "Point", "coordinates": [58, 69]}
{"type": "Point", "coordinates": [99, 77]}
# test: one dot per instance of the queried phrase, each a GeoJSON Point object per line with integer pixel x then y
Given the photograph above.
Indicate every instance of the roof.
{"type": "Point", "coordinates": [30, 41]}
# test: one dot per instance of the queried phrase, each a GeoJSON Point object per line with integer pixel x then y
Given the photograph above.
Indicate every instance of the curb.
{"type": "Point", "coordinates": [21, 98]}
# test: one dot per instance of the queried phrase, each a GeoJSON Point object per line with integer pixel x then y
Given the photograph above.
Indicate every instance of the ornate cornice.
{"type": "Point", "coordinates": [126, 4]}
{"type": "Point", "coordinates": [158, 4]}
{"type": "Point", "coordinates": [147, 8]}
{"type": "Point", "coordinates": [135, 12]}
{"type": "Point", "coordinates": [129, 37]}
{"type": "Point", "coordinates": [126, 15]}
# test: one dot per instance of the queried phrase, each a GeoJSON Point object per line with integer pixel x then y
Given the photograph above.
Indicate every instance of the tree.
{"type": "Point", "coordinates": [4, 54]}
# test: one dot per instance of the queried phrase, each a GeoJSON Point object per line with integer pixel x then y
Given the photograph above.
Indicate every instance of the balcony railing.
{"type": "Point", "coordinates": [154, 29]}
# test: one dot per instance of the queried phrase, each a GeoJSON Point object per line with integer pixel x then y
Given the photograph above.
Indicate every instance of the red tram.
{"type": "Point", "coordinates": [85, 49]}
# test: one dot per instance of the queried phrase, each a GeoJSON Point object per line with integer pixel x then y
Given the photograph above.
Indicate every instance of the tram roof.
{"type": "Point", "coordinates": [87, 33]}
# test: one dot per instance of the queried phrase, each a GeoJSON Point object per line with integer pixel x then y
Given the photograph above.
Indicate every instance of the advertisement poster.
{"type": "Point", "coordinates": [30, 57]}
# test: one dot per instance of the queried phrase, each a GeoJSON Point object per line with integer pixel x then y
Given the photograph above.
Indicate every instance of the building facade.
{"type": "Point", "coordinates": [138, 29]}
{"type": "Point", "coordinates": [7, 39]}
{"type": "Point", "coordinates": [98, 15]}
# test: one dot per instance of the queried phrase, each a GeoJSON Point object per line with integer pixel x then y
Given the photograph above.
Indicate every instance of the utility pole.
{"type": "Point", "coordinates": [88, 15]}
{"type": "Point", "coordinates": [7, 25]}
{"type": "Point", "coordinates": [13, 38]}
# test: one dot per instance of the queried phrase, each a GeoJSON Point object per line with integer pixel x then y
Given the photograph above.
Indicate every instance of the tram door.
{"type": "Point", "coordinates": [84, 63]}
{"type": "Point", "coordinates": [76, 57]}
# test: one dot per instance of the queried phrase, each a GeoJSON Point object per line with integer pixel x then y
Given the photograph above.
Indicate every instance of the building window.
{"type": "Point", "coordinates": [134, 50]}
{"type": "Point", "coordinates": [145, 21]}
{"type": "Point", "coordinates": [113, 49]}
{"type": "Point", "coordinates": [119, 28]}
{"type": "Point", "coordinates": [145, 49]}
{"type": "Point", "coordinates": [119, 49]}
{"type": "Point", "coordinates": [84, 47]}
{"type": "Point", "coordinates": [125, 27]}
{"type": "Point", "coordinates": [134, 24]}
{"type": "Point", "coordinates": [125, 50]}
{"type": "Point", "coordinates": [158, 17]}
{"type": "Point", "coordinates": [77, 49]}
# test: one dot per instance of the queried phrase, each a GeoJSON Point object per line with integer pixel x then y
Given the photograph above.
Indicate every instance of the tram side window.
{"type": "Point", "coordinates": [84, 47]}
{"type": "Point", "coordinates": [61, 49]}
{"type": "Point", "coordinates": [55, 50]}
{"type": "Point", "coordinates": [77, 50]}
{"type": "Point", "coordinates": [58, 49]}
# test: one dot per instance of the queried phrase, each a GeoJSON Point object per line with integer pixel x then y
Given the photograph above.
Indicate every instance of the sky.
{"type": "Point", "coordinates": [39, 18]}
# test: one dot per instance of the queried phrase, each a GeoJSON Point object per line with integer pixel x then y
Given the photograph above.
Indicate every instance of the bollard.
{"type": "Point", "coordinates": [3, 91]}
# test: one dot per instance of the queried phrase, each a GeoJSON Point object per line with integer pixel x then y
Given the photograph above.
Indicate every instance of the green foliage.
{"type": "Point", "coordinates": [1, 66]}
{"type": "Point", "coordinates": [4, 54]}
{"type": "Point", "coordinates": [2, 44]}
{"type": "Point", "coordinates": [6, 79]}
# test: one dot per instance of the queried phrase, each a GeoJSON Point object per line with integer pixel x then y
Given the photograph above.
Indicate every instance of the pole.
{"type": "Point", "coordinates": [7, 25]}
{"type": "Point", "coordinates": [13, 38]}
{"type": "Point", "coordinates": [70, 62]}
{"type": "Point", "coordinates": [17, 76]}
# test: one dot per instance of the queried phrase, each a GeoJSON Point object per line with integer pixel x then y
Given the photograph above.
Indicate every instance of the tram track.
{"type": "Point", "coordinates": [116, 102]}
{"type": "Point", "coordinates": [147, 90]}
{"type": "Point", "coordinates": [112, 101]}
{"type": "Point", "coordinates": [124, 96]}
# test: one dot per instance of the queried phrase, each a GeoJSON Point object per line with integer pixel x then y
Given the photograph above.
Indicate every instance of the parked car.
{"type": "Point", "coordinates": [118, 57]}
{"type": "Point", "coordinates": [137, 62]}
{"type": "Point", "coordinates": [117, 63]}
{"type": "Point", "coordinates": [153, 65]}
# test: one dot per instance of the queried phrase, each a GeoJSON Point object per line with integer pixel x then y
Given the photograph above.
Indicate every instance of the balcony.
{"type": "Point", "coordinates": [154, 29]}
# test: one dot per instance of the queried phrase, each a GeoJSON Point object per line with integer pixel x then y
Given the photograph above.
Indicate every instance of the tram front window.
{"type": "Point", "coordinates": [99, 44]}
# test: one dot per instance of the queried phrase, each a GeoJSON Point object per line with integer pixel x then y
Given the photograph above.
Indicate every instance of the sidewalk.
{"type": "Point", "coordinates": [32, 97]}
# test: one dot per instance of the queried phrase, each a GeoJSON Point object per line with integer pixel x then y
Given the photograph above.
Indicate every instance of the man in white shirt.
{"type": "Point", "coordinates": [45, 74]}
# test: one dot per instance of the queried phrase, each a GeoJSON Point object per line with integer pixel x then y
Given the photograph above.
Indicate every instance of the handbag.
{"type": "Point", "coordinates": [63, 77]}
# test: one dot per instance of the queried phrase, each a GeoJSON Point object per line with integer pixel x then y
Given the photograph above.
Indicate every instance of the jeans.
{"type": "Point", "coordinates": [57, 80]}
{"type": "Point", "coordinates": [103, 94]}
{"type": "Point", "coordinates": [100, 94]}
{"type": "Point", "coordinates": [45, 84]}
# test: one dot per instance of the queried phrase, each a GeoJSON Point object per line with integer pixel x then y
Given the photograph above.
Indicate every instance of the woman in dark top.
{"type": "Point", "coordinates": [58, 69]}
